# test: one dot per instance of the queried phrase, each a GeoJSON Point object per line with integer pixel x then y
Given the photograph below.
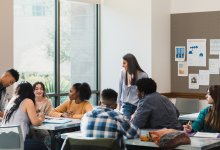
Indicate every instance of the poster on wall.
{"type": "Point", "coordinates": [214, 46]}
{"type": "Point", "coordinates": [214, 66]}
{"type": "Point", "coordinates": [193, 81]}
{"type": "Point", "coordinates": [180, 53]}
{"type": "Point", "coordinates": [182, 68]}
{"type": "Point", "coordinates": [196, 52]}
{"type": "Point", "coordinates": [204, 77]}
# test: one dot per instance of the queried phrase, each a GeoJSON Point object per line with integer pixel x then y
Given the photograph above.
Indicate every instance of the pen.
{"type": "Point", "coordinates": [189, 123]}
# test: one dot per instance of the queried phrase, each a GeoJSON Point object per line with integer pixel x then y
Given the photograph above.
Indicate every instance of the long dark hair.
{"type": "Point", "coordinates": [83, 90]}
{"type": "Point", "coordinates": [42, 85]}
{"type": "Point", "coordinates": [23, 90]}
{"type": "Point", "coordinates": [133, 67]}
{"type": "Point", "coordinates": [212, 119]}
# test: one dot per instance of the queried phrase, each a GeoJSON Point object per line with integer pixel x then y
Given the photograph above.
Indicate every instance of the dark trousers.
{"type": "Point", "coordinates": [31, 144]}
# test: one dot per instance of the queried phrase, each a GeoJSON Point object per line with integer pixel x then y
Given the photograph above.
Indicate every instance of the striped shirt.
{"type": "Point", "coordinates": [104, 122]}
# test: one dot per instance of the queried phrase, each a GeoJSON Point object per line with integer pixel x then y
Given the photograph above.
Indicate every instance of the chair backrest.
{"type": "Point", "coordinates": [90, 144]}
{"type": "Point", "coordinates": [11, 138]}
{"type": "Point", "coordinates": [187, 106]}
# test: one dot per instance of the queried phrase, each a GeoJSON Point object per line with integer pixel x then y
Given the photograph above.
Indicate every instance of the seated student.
{"type": "Point", "coordinates": [104, 122]}
{"type": "Point", "coordinates": [8, 78]}
{"type": "Point", "coordinates": [154, 110]}
{"type": "Point", "coordinates": [77, 105]}
{"type": "Point", "coordinates": [21, 111]}
{"type": "Point", "coordinates": [208, 119]}
{"type": "Point", "coordinates": [43, 103]}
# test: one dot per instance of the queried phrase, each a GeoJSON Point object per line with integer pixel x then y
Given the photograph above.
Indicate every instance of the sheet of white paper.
{"type": "Point", "coordinates": [196, 52]}
{"type": "Point", "coordinates": [180, 53]}
{"type": "Point", "coordinates": [182, 68]}
{"type": "Point", "coordinates": [204, 77]}
{"type": "Point", "coordinates": [206, 134]}
{"type": "Point", "coordinates": [193, 81]}
{"type": "Point", "coordinates": [214, 46]}
{"type": "Point", "coordinates": [213, 66]}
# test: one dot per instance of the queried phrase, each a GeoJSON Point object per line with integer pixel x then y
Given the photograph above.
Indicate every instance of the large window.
{"type": "Point", "coordinates": [56, 43]}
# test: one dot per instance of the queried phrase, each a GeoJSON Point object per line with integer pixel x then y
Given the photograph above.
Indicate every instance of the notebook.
{"type": "Point", "coordinates": [55, 120]}
{"type": "Point", "coordinates": [206, 135]}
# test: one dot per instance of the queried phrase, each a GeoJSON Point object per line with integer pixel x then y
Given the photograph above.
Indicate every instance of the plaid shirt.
{"type": "Point", "coordinates": [104, 122]}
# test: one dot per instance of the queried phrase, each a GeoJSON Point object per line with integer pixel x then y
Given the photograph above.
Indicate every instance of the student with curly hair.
{"type": "Point", "coordinates": [77, 105]}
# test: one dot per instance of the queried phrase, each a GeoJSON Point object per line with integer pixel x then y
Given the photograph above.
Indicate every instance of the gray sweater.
{"type": "Point", "coordinates": [128, 94]}
{"type": "Point", "coordinates": [156, 111]}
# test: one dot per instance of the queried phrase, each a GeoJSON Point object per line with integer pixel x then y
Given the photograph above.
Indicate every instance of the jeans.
{"type": "Point", "coordinates": [30, 144]}
{"type": "Point", "coordinates": [128, 109]}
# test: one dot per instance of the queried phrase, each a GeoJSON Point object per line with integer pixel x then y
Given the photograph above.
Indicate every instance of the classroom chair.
{"type": "Point", "coordinates": [90, 144]}
{"type": "Point", "coordinates": [11, 138]}
{"type": "Point", "coordinates": [187, 106]}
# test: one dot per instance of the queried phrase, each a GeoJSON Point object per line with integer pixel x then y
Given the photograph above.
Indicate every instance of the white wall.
{"type": "Point", "coordinates": [186, 6]}
{"type": "Point", "coordinates": [141, 27]}
{"type": "Point", "coordinates": [6, 35]}
{"type": "Point", "coordinates": [125, 28]}
{"type": "Point", "coordinates": [161, 69]}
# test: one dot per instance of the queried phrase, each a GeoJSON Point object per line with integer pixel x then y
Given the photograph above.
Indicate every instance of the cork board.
{"type": "Point", "coordinates": [201, 25]}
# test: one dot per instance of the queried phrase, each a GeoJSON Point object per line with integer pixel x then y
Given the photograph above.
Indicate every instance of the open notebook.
{"type": "Point", "coordinates": [56, 120]}
{"type": "Point", "coordinates": [206, 134]}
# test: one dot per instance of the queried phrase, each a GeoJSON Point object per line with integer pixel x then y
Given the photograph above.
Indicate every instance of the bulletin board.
{"type": "Point", "coordinates": [200, 25]}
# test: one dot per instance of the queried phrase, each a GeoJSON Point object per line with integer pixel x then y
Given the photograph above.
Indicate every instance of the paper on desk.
{"type": "Point", "coordinates": [206, 134]}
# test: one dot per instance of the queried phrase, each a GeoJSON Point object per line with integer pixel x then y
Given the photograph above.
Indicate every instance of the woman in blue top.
{"type": "Point", "coordinates": [208, 119]}
{"type": "Point", "coordinates": [127, 96]}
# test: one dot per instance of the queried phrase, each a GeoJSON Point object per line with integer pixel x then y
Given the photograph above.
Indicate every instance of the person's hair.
{"type": "Point", "coordinates": [109, 95]}
{"type": "Point", "coordinates": [212, 119]}
{"type": "Point", "coordinates": [14, 73]}
{"type": "Point", "coordinates": [83, 90]}
{"type": "Point", "coordinates": [133, 67]}
{"type": "Point", "coordinates": [42, 85]}
{"type": "Point", "coordinates": [23, 90]}
{"type": "Point", "coordinates": [146, 85]}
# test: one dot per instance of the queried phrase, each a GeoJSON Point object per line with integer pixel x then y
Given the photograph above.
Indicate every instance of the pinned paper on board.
{"type": "Point", "coordinates": [204, 77]}
{"type": "Point", "coordinates": [214, 66]}
{"type": "Point", "coordinates": [193, 81]}
{"type": "Point", "coordinates": [182, 68]}
{"type": "Point", "coordinates": [196, 52]}
{"type": "Point", "coordinates": [214, 46]}
{"type": "Point", "coordinates": [180, 53]}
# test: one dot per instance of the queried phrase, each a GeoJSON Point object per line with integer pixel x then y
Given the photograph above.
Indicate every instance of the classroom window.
{"type": "Point", "coordinates": [56, 43]}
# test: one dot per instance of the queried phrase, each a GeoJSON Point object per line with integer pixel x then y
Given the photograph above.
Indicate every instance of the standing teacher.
{"type": "Point", "coordinates": [127, 96]}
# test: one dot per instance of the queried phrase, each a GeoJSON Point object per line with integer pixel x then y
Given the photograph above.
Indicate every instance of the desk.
{"type": "Point", "coordinates": [196, 143]}
{"type": "Point", "coordinates": [55, 128]}
{"type": "Point", "coordinates": [187, 117]}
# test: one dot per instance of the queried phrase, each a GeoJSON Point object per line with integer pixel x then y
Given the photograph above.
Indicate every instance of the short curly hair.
{"type": "Point", "coordinates": [146, 85]}
{"type": "Point", "coordinates": [109, 95]}
{"type": "Point", "coordinates": [83, 90]}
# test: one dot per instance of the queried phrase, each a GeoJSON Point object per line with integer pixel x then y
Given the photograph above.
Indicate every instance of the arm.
{"type": "Point", "coordinates": [127, 128]}
{"type": "Point", "coordinates": [142, 114]}
{"type": "Point", "coordinates": [120, 91]}
{"type": "Point", "coordinates": [49, 107]}
{"type": "Point", "coordinates": [29, 107]}
{"type": "Point", "coordinates": [198, 124]}
{"type": "Point", "coordinates": [59, 110]}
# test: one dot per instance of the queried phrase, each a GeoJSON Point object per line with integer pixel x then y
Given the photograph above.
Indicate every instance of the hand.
{"type": "Point", "coordinates": [132, 116]}
{"type": "Point", "coordinates": [66, 115]}
{"type": "Point", "coordinates": [187, 128]}
{"type": "Point", "coordinates": [41, 116]}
